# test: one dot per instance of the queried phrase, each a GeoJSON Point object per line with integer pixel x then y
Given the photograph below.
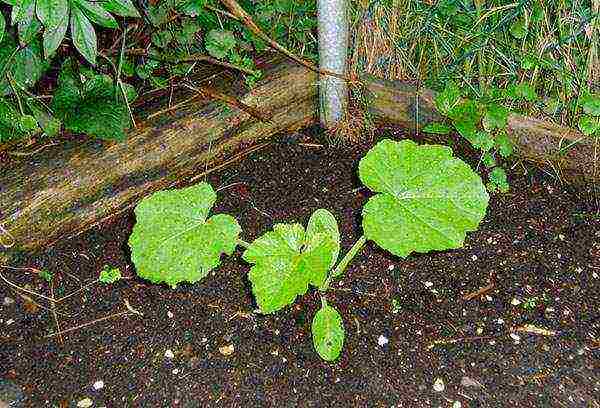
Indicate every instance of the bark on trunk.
{"type": "Point", "coordinates": [64, 190]}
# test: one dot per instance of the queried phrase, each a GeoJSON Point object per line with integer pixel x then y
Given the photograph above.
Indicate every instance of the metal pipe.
{"type": "Point", "coordinates": [333, 53]}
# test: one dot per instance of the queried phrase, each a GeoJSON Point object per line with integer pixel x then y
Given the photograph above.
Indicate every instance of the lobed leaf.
{"type": "Point", "coordinates": [173, 241]}
{"type": "Point", "coordinates": [427, 199]}
{"type": "Point", "coordinates": [328, 333]}
{"type": "Point", "coordinates": [287, 259]}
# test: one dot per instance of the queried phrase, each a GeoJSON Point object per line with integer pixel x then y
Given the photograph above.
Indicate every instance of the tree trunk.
{"type": "Point", "coordinates": [64, 190]}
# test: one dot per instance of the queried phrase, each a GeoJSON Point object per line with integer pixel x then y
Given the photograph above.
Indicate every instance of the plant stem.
{"type": "Point", "coordinates": [243, 243]}
{"type": "Point", "coordinates": [341, 266]}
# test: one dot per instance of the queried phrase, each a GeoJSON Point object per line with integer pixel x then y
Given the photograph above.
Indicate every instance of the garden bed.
{"type": "Point", "coordinates": [511, 318]}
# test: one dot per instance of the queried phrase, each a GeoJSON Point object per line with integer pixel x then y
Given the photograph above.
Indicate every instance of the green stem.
{"type": "Point", "coordinates": [341, 266]}
{"type": "Point", "coordinates": [243, 243]}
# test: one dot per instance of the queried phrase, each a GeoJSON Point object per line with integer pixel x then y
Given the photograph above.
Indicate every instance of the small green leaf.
{"type": "Point", "coordinates": [504, 144]}
{"type": "Point", "coordinates": [109, 275]}
{"type": "Point", "coordinates": [591, 104]}
{"type": "Point", "coordinates": [498, 180]}
{"type": "Point", "coordinates": [328, 333]}
{"type": "Point", "coordinates": [219, 42]}
{"type": "Point", "coordinates": [528, 62]}
{"type": "Point", "coordinates": [84, 35]}
{"type": "Point", "coordinates": [27, 123]}
{"type": "Point", "coordinates": [437, 128]}
{"type": "Point", "coordinates": [322, 222]}
{"type": "Point", "coordinates": [488, 160]}
{"type": "Point", "coordinates": [123, 8]}
{"type": "Point", "coordinates": [46, 275]}
{"type": "Point", "coordinates": [496, 117]}
{"type": "Point", "coordinates": [96, 13]}
{"type": "Point", "coordinates": [446, 100]}
{"type": "Point", "coordinates": [522, 91]}
{"type": "Point", "coordinates": [519, 29]}
{"type": "Point", "coordinates": [173, 241]}
{"type": "Point", "coordinates": [483, 141]}
{"type": "Point", "coordinates": [589, 125]}
{"type": "Point", "coordinates": [427, 200]}
{"type": "Point", "coordinates": [286, 260]}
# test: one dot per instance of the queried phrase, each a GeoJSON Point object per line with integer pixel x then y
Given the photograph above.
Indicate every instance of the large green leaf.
{"type": "Point", "coordinates": [328, 333]}
{"type": "Point", "coordinates": [173, 241]}
{"type": "Point", "coordinates": [124, 8]}
{"type": "Point", "coordinates": [219, 42]}
{"type": "Point", "coordinates": [84, 35]}
{"type": "Point", "coordinates": [54, 15]}
{"type": "Point", "coordinates": [96, 13]}
{"type": "Point", "coordinates": [24, 65]}
{"type": "Point", "coordinates": [28, 24]}
{"type": "Point", "coordinates": [2, 26]}
{"type": "Point", "coordinates": [286, 260]}
{"type": "Point", "coordinates": [323, 222]}
{"type": "Point", "coordinates": [427, 199]}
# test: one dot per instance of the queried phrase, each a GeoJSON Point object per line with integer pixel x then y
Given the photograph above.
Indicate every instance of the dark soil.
{"type": "Point", "coordinates": [539, 246]}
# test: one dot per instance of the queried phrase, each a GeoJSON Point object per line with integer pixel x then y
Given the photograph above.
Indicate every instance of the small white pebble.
{"type": "Point", "coordinates": [500, 321]}
{"type": "Point", "coordinates": [175, 371]}
{"type": "Point", "coordinates": [98, 385]}
{"type": "Point", "coordinates": [428, 284]}
{"type": "Point", "coordinates": [579, 269]}
{"type": "Point", "coordinates": [488, 298]}
{"type": "Point", "coordinates": [438, 385]}
{"type": "Point", "coordinates": [558, 256]}
{"type": "Point", "coordinates": [456, 404]}
{"type": "Point", "coordinates": [474, 258]}
{"type": "Point", "coordinates": [170, 314]}
{"type": "Point", "coordinates": [382, 340]}
{"type": "Point", "coordinates": [515, 337]}
{"type": "Point", "coordinates": [515, 302]}
{"type": "Point", "coordinates": [8, 301]}
{"type": "Point", "coordinates": [85, 403]}
{"type": "Point", "coordinates": [561, 237]}
{"type": "Point", "coordinates": [594, 275]}
{"type": "Point", "coordinates": [169, 354]}
{"type": "Point", "coordinates": [391, 267]}
{"type": "Point", "coordinates": [9, 322]}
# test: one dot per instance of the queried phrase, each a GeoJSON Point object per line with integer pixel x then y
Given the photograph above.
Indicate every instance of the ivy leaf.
{"type": "Point", "coordinates": [219, 43]}
{"type": "Point", "coordinates": [96, 13]}
{"type": "Point", "coordinates": [287, 259]}
{"type": "Point", "coordinates": [498, 180]}
{"type": "Point", "coordinates": [123, 8]}
{"type": "Point", "coordinates": [84, 35]}
{"type": "Point", "coordinates": [496, 117]}
{"type": "Point", "coordinates": [95, 107]}
{"type": "Point", "coordinates": [328, 333]}
{"type": "Point", "coordinates": [427, 199]}
{"type": "Point", "coordinates": [446, 100]}
{"type": "Point", "coordinates": [437, 128]}
{"type": "Point", "coordinates": [173, 241]}
{"type": "Point", "coordinates": [589, 125]}
{"type": "Point", "coordinates": [591, 104]}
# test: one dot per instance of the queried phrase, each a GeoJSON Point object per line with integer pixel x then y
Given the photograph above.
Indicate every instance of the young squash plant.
{"type": "Point", "coordinates": [426, 200]}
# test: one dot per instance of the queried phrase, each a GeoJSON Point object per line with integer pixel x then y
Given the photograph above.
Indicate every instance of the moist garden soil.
{"type": "Point", "coordinates": [511, 319]}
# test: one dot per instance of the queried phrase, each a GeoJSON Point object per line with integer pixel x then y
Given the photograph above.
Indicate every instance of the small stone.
{"type": "Point", "coordinates": [500, 321]}
{"type": "Point", "coordinates": [98, 385]}
{"type": "Point", "coordinates": [438, 385]}
{"type": "Point", "coordinates": [85, 403]}
{"type": "Point", "coordinates": [515, 302]}
{"type": "Point", "coordinates": [561, 237]}
{"type": "Point", "coordinates": [227, 350]}
{"type": "Point", "coordinates": [382, 340]}
{"type": "Point", "coordinates": [169, 354]}
{"type": "Point", "coordinates": [469, 382]}
{"type": "Point", "coordinates": [7, 301]}
{"type": "Point", "coordinates": [456, 404]}
{"type": "Point", "coordinates": [170, 314]}
{"type": "Point", "coordinates": [175, 371]}
{"type": "Point", "coordinates": [9, 322]}
{"type": "Point", "coordinates": [391, 267]}
{"type": "Point", "coordinates": [594, 275]}
{"type": "Point", "coordinates": [428, 284]}
{"type": "Point", "coordinates": [474, 258]}
{"type": "Point", "coordinates": [515, 337]}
